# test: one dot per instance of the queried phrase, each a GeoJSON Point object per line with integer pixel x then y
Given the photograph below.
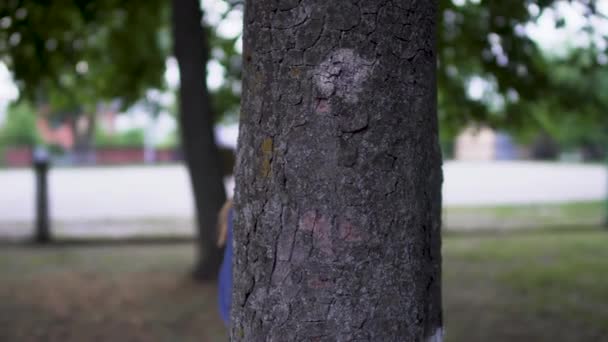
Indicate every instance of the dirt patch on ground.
{"type": "Point", "coordinates": [63, 303]}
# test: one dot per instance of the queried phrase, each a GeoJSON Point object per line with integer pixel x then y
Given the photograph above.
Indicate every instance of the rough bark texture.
{"type": "Point", "coordinates": [338, 183]}
{"type": "Point", "coordinates": [196, 127]}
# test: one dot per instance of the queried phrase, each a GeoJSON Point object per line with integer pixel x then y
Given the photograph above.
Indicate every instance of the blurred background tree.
{"type": "Point", "coordinates": [78, 53]}
{"type": "Point", "coordinates": [72, 55]}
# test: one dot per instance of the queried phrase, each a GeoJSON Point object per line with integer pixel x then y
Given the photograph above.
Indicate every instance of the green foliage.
{"type": "Point", "coordinates": [171, 141]}
{"type": "Point", "coordinates": [487, 39]}
{"type": "Point", "coordinates": [570, 130]}
{"type": "Point", "coordinates": [226, 99]}
{"type": "Point", "coordinates": [20, 128]}
{"type": "Point", "coordinates": [577, 116]}
{"type": "Point", "coordinates": [55, 149]}
{"type": "Point", "coordinates": [76, 53]}
{"type": "Point", "coordinates": [130, 138]}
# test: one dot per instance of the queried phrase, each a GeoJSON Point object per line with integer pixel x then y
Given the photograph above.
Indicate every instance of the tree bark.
{"type": "Point", "coordinates": [196, 127]}
{"type": "Point", "coordinates": [338, 183]}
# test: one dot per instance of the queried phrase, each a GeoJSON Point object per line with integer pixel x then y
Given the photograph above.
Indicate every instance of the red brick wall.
{"type": "Point", "coordinates": [18, 156]}
{"type": "Point", "coordinates": [22, 156]}
{"type": "Point", "coordinates": [128, 155]}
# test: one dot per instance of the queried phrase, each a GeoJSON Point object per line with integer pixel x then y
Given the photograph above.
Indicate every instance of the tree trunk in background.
{"type": "Point", "coordinates": [606, 199]}
{"type": "Point", "coordinates": [338, 183]}
{"type": "Point", "coordinates": [84, 136]}
{"type": "Point", "coordinates": [196, 127]}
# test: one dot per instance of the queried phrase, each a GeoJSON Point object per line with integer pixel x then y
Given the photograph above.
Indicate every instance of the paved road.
{"type": "Point", "coordinates": [480, 184]}
{"type": "Point", "coordinates": [162, 192]}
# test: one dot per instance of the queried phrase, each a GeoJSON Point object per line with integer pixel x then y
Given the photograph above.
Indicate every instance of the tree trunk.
{"type": "Point", "coordinates": [196, 127]}
{"type": "Point", "coordinates": [83, 150]}
{"type": "Point", "coordinates": [338, 183]}
{"type": "Point", "coordinates": [606, 199]}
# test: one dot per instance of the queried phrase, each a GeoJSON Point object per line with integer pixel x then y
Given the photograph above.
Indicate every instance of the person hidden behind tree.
{"type": "Point", "coordinates": [225, 223]}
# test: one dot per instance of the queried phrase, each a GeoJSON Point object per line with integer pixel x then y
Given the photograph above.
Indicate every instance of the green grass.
{"type": "Point", "coordinates": [568, 210]}
{"type": "Point", "coordinates": [538, 286]}
{"type": "Point", "coordinates": [549, 286]}
{"type": "Point", "coordinates": [533, 216]}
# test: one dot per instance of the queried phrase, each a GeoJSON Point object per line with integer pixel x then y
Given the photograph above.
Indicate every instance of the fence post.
{"type": "Point", "coordinates": [41, 167]}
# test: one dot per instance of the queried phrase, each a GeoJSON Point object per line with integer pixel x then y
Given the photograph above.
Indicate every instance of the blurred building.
{"type": "Point", "coordinates": [483, 143]}
{"type": "Point", "coordinates": [71, 138]}
{"type": "Point", "coordinates": [58, 133]}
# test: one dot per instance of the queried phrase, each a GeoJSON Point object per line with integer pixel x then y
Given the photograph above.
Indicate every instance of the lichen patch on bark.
{"type": "Point", "coordinates": [266, 156]}
{"type": "Point", "coordinates": [342, 74]}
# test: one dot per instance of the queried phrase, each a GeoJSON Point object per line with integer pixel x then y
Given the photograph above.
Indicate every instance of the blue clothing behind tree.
{"type": "Point", "coordinates": [225, 277]}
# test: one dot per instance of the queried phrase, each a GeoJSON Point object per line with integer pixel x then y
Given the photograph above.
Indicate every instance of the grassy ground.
{"type": "Point", "coordinates": [545, 286]}
{"type": "Point", "coordinates": [540, 286]}
{"type": "Point", "coordinates": [525, 217]}
{"type": "Point", "coordinates": [126, 293]}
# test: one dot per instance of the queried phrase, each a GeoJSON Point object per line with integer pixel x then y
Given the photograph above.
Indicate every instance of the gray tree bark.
{"type": "Point", "coordinates": [196, 128]}
{"type": "Point", "coordinates": [338, 182]}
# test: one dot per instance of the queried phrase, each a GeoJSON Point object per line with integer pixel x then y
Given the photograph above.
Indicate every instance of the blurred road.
{"type": "Point", "coordinates": [521, 182]}
{"type": "Point", "coordinates": [161, 192]}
